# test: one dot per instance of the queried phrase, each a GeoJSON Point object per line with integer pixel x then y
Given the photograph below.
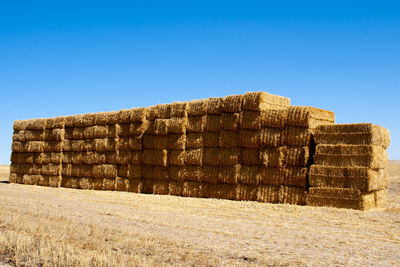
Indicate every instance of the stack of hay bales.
{"type": "Point", "coordinates": [350, 167]}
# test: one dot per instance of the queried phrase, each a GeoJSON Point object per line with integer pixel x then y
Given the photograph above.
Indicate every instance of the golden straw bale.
{"type": "Point", "coordinates": [179, 109]}
{"type": "Point", "coordinates": [36, 124]}
{"type": "Point", "coordinates": [297, 136]}
{"type": "Point", "coordinates": [268, 193]}
{"type": "Point", "coordinates": [124, 130]}
{"type": "Point", "coordinates": [211, 156]}
{"type": "Point", "coordinates": [83, 183]}
{"type": "Point", "coordinates": [54, 134]}
{"type": "Point", "coordinates": [251, 120]}
{"type": "Point", "coordinates": [249, 138]}
{"type": "Point", "coordinates": [246, 193]}
{"type": "Point", "coordinates": [229, 156]}
{"type": "Point", "coordinates": [97, 171]}
{"type": "Point", "coordinates": [230, 121]}
{"type": "Point", "coordinates": [68, 133]}
{"type": "Point", "coordinates": [361, 178]}
{"type": "Point", "coordinates": [111, 144]}
{"type": "Point", "coordinates": [52, 157]}
{"type": "Point", "coordinates": [67, 145]}
{"type": "Point", "coordinates": [88, 120]}
{"type": "Point", "coordinates": [196, 124]}
{"type": "Point", "coordinates": [297, 156]}
{"type": "Point", "coordinates": [220, 191]}
{"type": "Point", "coordinates": [292, 195]}
{"type": "Point", "coordinates": [123, 171]}
{"type": "Point", "coordinates": [177, 125]}
{"type": "Point", "coordinates": [86, 170]}
{"type": "Point", "coordinates": [55, 181]}
{"type": "Point", "coordinates": [135, 185]}
{"type": "Point", "coordinates": [160, 142]}
{"type": "Point", "coordinates": [176, 157]}
{"type": "Point", "coordinates": [100, 131]}
{"type": "Point", "coordinates": [197, 107]}
{"type": "Point", "coordinates": [109, 184]}
{"type": "Point", "coordinates": [353, 134]}
{"type": "Point", "coordinates": [147, 171]}
{"type": "Point", "coordinates": [105, 118]}
{"type": "Point", "coordinates": [56, 122]}
{"type": "Point", "coordinates": [78, 133]}
{"type": "Point", "coordinates": [110, 170]}
{"type": "Point", "coordinates": [148, 141]}
{"type": "Point", "coordinates": [232, 103]}
{"type": "Point", "coordinates": [99, 144]}
{"type": "Point", "coordinates": [229, 174]}
{"type": "Point", "coordinates": [272, 176]}
{"type": "Point", "coordinates": [111, 157]}
{"type": "Point", "coordinates": [229, 139]}
{"type": "Point", "coordinates": [139, 128]}
{"type": "Point", "coordinates": [18, 136]}
{"type": "Point", "coordinates": [175, 188]}
{"type": "Point", "coordinates": [210, 173]}
{"type": "Point", "coordinates": [34, 135]}
{"type": "Point", "coordinates": [213, 123]}
{"type": "Point", "coordinates": [155, 157]}
{"type": "Point", "coordinates": [177, 173]}
{"type": "Point", "coordinates": [296, 176]}
{"type": "Point", "coordinates": [98, 183]}
{"type": "Point", "coordinates": [251, 156]}
{"type": "Point", "coordinates": [113, 131]}
{"type": "Point", "coordinates": [17, 146]}
{"type": "Point", "coordinates": [161, 126]}
{"type": "Point", "coordinates": [40, 146]}
{"type": "Point", "coordinates": [124, 116]}
{"type": "Point", "coordinates": [273, 156]}
{"type": "Point", "coordinates": [249, 175]}
{"type": "Point", "coordinates": [263, 100]}
{"type": "Point", "coordinates": [214, 105]}
{"type": "Point", "coordinates": [161, 173]}
{"type": "Point", "coordinates": [66, 170]}
{"type": "Point", "coordinates": [177, 141]}
{"type": "Point", "coordinates": [192, 189]}
{"type": "Point", "coordinates": [20, 125]}
{"type": "Point", "coordinates": [272, 137]}
{"type": "Point", "coordinates": [194, 157]}
{"type": "Point", "coordinates": [139, 114]}
{"type": "Point", "coordinates": [30, 179]}
{"type": "Point", "coordinates": [124, 143]}
{"type": "Point", "coordinates": [309, 117]}
{"type": "Point", "coordinates": [148, 186]}
{"type": "Point", "coordinates": [160, 111]}
{"type": "Point", "coordinates": [69, 121]}
{"type": "Point", "coordinates": [121, 184]}
{"type": "Point", "coordinates": [51, 169]}
{"type": "Point", "coordinates": [43, 180]}
{"type": "Point", "coordinates": [161, 187]}
{"type": "Point", "coordinates": [374, 157]}
{"type": "Point", "coordinates": [136, 171]}
{"type": "Point", "coordinates": [194, 140]}
{"type": "Point", "coordinates": [92, 157]}
{"type": "Point", "coordinates": [211, 139]}
{"type": "Point", "coordinates": [276, 118]}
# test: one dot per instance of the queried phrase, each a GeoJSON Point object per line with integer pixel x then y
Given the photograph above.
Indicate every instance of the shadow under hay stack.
{"type": "Point", "coordinates": [242, 147]}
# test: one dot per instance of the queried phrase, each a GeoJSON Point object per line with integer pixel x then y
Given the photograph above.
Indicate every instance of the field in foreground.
{"type": "Point", "coordinates": [59, 226]}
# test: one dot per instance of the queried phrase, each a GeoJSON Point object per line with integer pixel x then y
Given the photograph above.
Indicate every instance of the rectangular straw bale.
{"type": "Point", "coordinates": [272, 137]}
{"type": "Point", "coordinates": [36, 124]}
{"type": "Point", "coordinates": [31, 158]}
{"type": "Point", "coordinates": [43, 180]}
{"type": "Point", "coordinates": [66, 170]}
{"type": "Point", "coordinates": [297, 156]}
{"type": "Point", "coordinates": [139, 114]}
{"type": "Point", "coordinates": [292, 195]}
{"type": "Point", "coordinates": [351, 156]}
{"type": "Point", "coordinates": [179, 109]}
{"type": "Point", "coordinates": [69, 121]}
{"type": "Point", "coordinates": [111, 157]}
{"type": "Point", "coordinates": [196, 124]}
{"type": "Point", "coordinates": [297, 136]}
{"type": "Point", "coordinates": [111, 144]}
{"type": "Point", "coordinates": [123, 171]}
{"type": "Point", "coordinates": [194, 140]}
{"type": "Point", "coordinates": [197, 107]}
{"type": "Point", "coordinates": [124, 116]}
{"type": "Point", "coordinates": [52, 157]}
{"type": "Point", "coordinates": [177, 125]}
{"type": "Point", "coordinates": [93, 157]}
{"type": "Point", "coordinates": [219, 191]}
{"type": "Point", "coordinates": [381, 199]}
{"type": "Point", "coordinates": [100, 131]}
{"type": "Point", "coordinates": [194, 157]}
{"type": "Point", "coordinates": [275, 118]}
{"type": "Point", "coordinates": [148, 186]}
{"type": "Point", "coordinates": [50, 169]}
{"type": "Point", "coordinates": [78, 133]}
{"type": "Point", "coordinates": [124, 130]}
{"type": "Point", "coordinates": [30, 179]}
{"type": "Point", "coordinates": [17, 146]}
{"type": "Point", "coordinates": [263, 100]}
{"type": "Point", "coordinates": [52, 146]}
{"type": "Point", "coordinates": [161, 126]}
{"type": "Point", "coordinates": [105, 118]}
{"type": "Point", "coordinates": [136, 185]}
{"type": "Point", "coordinates": [229, 156]}
{"type": "Point", "coordinates": [110, 170]}
{"type": "Point", "coordinates": [155, 157]}
{"type": "Point", "coordinates": [161, 187]}
{"type": "Point", "coordinates": [109, 184]}
{"type": "Point", "coordinates": [213, 123]}
{"type": "Point", "coordinates": [177, 141]}
{"type": "Point", "coordinates": [68, 133]}
{"type": "Point", "coordinates": [161, 173]}
{"type": "Point", "coordinates": [18, 136]}
{"type": "Point", "coordinates": [272, 176]}
{"type": "Point", "coordinates": [250, 175]}
{"type": "Point", "coordinates": [97, 183]}
{"type": "Point", "coordinates": [20, 125]}
{"type": "Point", "coordinates": [353, 134]}
{"type": "Point", "coordinates": [251, 120]}
{"type": "Point", "coordinates": [229, 174]}
{"type": "Point", "coordinates": [66, 182]}
{"type": "Point", "coordinates": [246, 193]}
{"type": "Point", "coordinates": [139, 128]}
{"type": "Point", "coordinates": [273, 156]}
{"type": "Point", "coordinates": [34, 135]}
{"type": "Point", "coordinates": [124, 157]}
{"type": "Point", "coordinates": [55, 181]}
{"type": "Point", "coordinates": [229, 139]}
{"type": "Point", "coordinates": [86, 170]}
{"type": "Point", "coordinates": [148, 141]}
{"type": "Point", "coordinates": [124, 143]}
{"type": "Point", "coordinates": [230, 121]}
{"type": "Point", "coordinates": [40, 146]}
{"type": "Point", "coordinates": [211, 173]}
{"type": "Point", "coordinates": [251, 156]}
{"type": "Point", "coordinates": [211, 156]}
{"type": "Point", "coordinates": [160, 111]}
{"type": "Point", "coordinates": [211, 139]}
{"type": "Point", "coordinates": [121, 184]}
{"type": "Point", "coordinates": [232, 103]}
{"type": "Point", "coordinates": [296, 176]}
{"type": "Point", "coordinates": [56, 122]}
{"type": "Point", "coordinates": [309, 117]}
{"type": "Point", "coordinates": [54, 134]}
{"type": "Point", "coordinates": [192, 189]}
{"type": "Point", "coordinates": [160, 142]}
{"type": "Point", "coordinates": [214, 105]}
{"type": "Point", "coordinates": [99, 144]}
{"type": "Point", "coordinates": [175, 188]}
{"type": "Point", "coordinates": [361, 178]}
{"type": "Point", "coordinates": [176, 157]}
{"type": "Point", "coordinates": [268, 193]}
{"type": "Point", "coordinates": [97, 171]}
{"type": "Point", "coordinates": [250, 138]}
{"type": "Point", "coordinates": [137, 171]}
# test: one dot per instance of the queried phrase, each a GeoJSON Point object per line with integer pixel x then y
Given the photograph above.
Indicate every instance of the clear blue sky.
{"type": "Point", "coordinates": [70, 57]}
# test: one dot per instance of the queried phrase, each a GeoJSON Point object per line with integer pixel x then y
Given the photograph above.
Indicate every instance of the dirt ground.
{"type": "Point", "coordinates": [49, 226]}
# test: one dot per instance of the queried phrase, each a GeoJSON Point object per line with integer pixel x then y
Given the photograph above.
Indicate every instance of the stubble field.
{"type": "Point", "coordinates": [66, 227]}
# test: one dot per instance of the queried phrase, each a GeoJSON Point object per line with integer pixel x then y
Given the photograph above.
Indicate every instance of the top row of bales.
{"type": "Point", "coordinates": [255, 101]}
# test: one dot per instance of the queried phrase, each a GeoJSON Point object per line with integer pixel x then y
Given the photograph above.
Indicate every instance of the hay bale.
{"type": "Point", "coordinates": [175, 188]}
{"type": "Point", "coordinates": [176, 157]}
{"type": "Point", "coordinates": [160, 142]}
{"type": "Point", "coordinates": [160, 187]}
{"type": "Point", "coordinates": [148, 186]}
{"type": "Point", "coordinates": [351, 156]}
{"type": "Point", "coordinates": [56, 122]}
{"type": "Point", "coordinates": [98, 183]}
{"type": "Point", "coordinates": [176, 173]}
{"type": "Point", "coordinates": [20, 125]}
{"type": "Point", "coordinates": [55, 181]}
{"type": "Point", "coordinates": [160, 111]}
{"type": "Point", "coordinates": [194, 157]}
{"type": "Point", "coordinates": [136, 185]}
{"type": "Point", "coordinates": [121, 184]}
{"type": "Point", "coordinates": [232, 103]}
{"type": "Point", "coordinates": [66, 170]}
{"type": "Point", "coordinates": [43, 180]}
{"type": "Point", "coordinates": [185, 173]}
{"type": "Point", "coordinates": [297, 156]}
{"type": "Point", "coordinates": [229, 139]}
{"type": "Point", "coordinates": [123, 171]}
{"type": "Point", "coordinates": [230, 174]}
{"type": "Point", "coordinates": [353, 134]}
{"type": "Point", "coordinates": [177, 125]}
{"type": "Point", "coordinates": [272, 176]}
{"type": "Point", "coordinates": [161, 173]}
{"type": "Point", "coordinates": [161, 126]}
{"type": "Point", "coordinates": [105, 118]}
{"type": "Point", "coordinates": [68, 133]}
{"type": "Point", "coordinates": [196, 124]}
{"type": "Point", "coordinates": [211, 139]}
{"type": "Point", "coordinates": [69, 121]}
{"type": "Point", "coordinates": [309, 117]}
{"type": "Point", "coordinates": [51, 146]}
{"type": "Point", "coordinates": [124, 116]}
{"type": "Point", "coordinates": [54, 134]}
{"type": "Point", "coordinates": [211, 156]}
{"type": "Point", "coordinates": [275, 118]}
{"type": "Point", "coordinates": [197, 107]}
{"type": "Point", "coordinates": [36, 124]}
{"type": "Point", "coordinates": [210, 173]}
{"type": "Point", "coordinates": [124, 130]}
{"type": "Point", "coordinates": [272, 137]}
{"type": "Point", "coordinates": [17, 146]}
{"type": "Point", "coordinates": [18, 136]}
{"type": "Point", "coordinates": [296, 176]}
{"type": "Point", "coordinates": [155, 157]}
{"type": "Point", "coordinates": [214, 105]}
{"type": "Point", "coordinates": [179, 109]}
{"type": "Point", "coordinates": [229, 156]}
{"type": "Point", "coordinates": [124, 157]}
{"type": "Point", "coordinates": [249, 138]}
{"type": "Point", "coordinates": [262, 100]}
{"type": "Point", "coordinates": [251, 120]}
{"type": "Point", "coordinates": [297, 136]}
{"type": "Point", "coordinates": [99, 144]}
{"type": "Point", "coordinates": [246, 193]}
{"type": "Point", "coordinates": [148, 141]}
{"type": "Point", "coordinates": [192, 189]}
{"type": "Point", "coordinates": [33, 135]}
{"type": "Point", "coordinates": [93, 157]}
{"type": "Point", "coordinates": [268, 193]}
{"type": "Point", "coordinates": [40, 146]}
{"type": "Point", "coordinates": [273, 156]}
{"type": "Point", "coordinates": [213, 123]}
{"type": "Point", "coordinates": [100, 131]}
{"type": "Point", "coordinates": [139, 128]}
{"type": "Point", "coordinates": [139, 114]}
{"type": "Point", "coordinates": [194, 140]}
{"type": "Point", "coordinates": [361, 178]}
{"type": "Point", "coordinates": [111, 157]}
{"type": "Point", "coordinates": [136, 171]}
{"type": "Point", "coordinates": [30, 179]}
{"type": "Point", "coordinates": [85, 183]}
{"type": "Point", "coordinates": [220, 191]}
{"type": "Point", "coordinates": [109, 184]}
{"type": "Point", "coordinates": [292, 195]}
{"type": "Point", "coordinates": [51, 157]}
{"type": "Point", "coordinates": [177, 141]}
{"type": "Point", "coordinates": [124, 143]}
{"type": "Point", "coordinates": [230, 121]}
{"type": "Point", "coordinates": [97, 171]}
{"type": "Point", "coordinates": [76, 157]}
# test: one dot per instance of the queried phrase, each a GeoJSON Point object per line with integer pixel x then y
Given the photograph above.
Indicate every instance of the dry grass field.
{"type": "Point", "coordinates": [65, 227]}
